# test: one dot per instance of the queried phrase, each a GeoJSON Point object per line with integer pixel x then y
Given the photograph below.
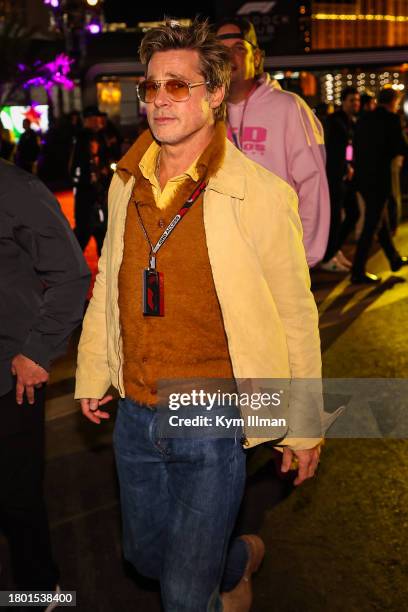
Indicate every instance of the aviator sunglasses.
{"type": "Point", "coordinates": [176, 89]}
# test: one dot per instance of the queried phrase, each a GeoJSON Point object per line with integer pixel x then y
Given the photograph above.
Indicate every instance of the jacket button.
{"type": "Point", "coordinates": [153, 391]}
{"type": "Point", "coordinates": [161, 223]}
{"type": "Point", "coordinates": [144, 359]}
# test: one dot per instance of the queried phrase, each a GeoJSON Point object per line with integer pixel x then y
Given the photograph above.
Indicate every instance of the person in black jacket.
{"type": "Point", "coordinates": [91, 175]}
{"type": "Point", "coordinates": [28, 148]}
{"type": "Point", "coordinates": [43, 284]}
{"type": "Point", "coordinates": [368, 103]}
{"type": "Point", "coordinates": [339, 133]}
{"type": "Point", "coordinates": [378, 139]}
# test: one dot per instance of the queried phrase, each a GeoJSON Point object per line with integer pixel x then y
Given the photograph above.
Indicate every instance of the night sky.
{"type": "Point", "coordinates": [152, 10]}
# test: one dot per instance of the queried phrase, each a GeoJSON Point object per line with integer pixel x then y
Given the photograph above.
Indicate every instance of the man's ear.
{"type": "Point", "coordinates": [257, 58]}
{"type": "Point", "coordinates": [216, 97]}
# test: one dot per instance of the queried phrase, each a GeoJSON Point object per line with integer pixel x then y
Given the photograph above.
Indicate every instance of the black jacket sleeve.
{"type": "Point", "coordinates": [398, 144]}
{"type": "Point", "coordinates": [43, 232]}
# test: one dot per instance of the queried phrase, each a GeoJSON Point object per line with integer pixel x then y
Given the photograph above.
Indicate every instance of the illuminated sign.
{"type": "Point", "coordinates": [148, 25]}
{"type": "Point", "coordinates": [256, 7]}
{"type": "Point", "coordinates": [12, 118]}
{"type": "Point", "coordinates": [282, 27]}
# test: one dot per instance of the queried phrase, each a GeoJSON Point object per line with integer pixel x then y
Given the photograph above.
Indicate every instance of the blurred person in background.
{"type": "Point", "coordinates": [74, 123]}
{"type": "Point", "coordinates": [28, 148]}
{"type": "Point", "coordinates": [368, 103]}
{"type": "Point", "coordinates": [339, 135]}
{"type": "Point", "coordinates": [7, 145]}
{"type": "Point", "coordinates": [322, 111]}
{"type": "Point", "coordinates": [71, 128]}
{"type": "Point", "coordinates": [56, 153]}
{"type": "Point", "coordinates": [394, 204]}
{"type": "Point", "coordinates": [90, 173]}
{"type": "Point", "coordinates": [112, 138]}
{"type": "Point", "coordinates": [278, 130]}
{"type": "Point", "coordinates": [378, 141]}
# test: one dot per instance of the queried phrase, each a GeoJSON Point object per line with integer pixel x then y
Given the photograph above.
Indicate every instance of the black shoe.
{"type": "Point", "coordinates": [365, 279]}
{"type": "Point", "coordinates": [397, 263]}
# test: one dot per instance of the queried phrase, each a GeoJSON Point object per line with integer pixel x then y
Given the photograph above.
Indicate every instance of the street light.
{"type": "Point", "coordinates": [94, 27]}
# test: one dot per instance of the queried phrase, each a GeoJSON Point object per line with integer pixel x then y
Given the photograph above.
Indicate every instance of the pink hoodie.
{"type": "Point", "coordinates": [281, 133]}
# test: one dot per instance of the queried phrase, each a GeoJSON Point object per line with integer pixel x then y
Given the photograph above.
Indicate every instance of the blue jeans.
{"type": "Point", "coordinates": [180, 498]}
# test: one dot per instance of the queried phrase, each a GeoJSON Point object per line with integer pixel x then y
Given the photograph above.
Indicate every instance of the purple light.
{"type": "Point", "coordinates": [52, 73]}
{"type": "Point", "coordinates": [94, 28]}
{"type": "Point", "coordinates": [54, 3]}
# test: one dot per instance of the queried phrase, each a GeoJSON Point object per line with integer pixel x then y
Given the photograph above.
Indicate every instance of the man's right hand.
{"type": "Point", "coordinates": [307, 459]}
{"type": "Point", "coordinates": [90, 408]}
{"type": "Point", "coordinates": [30, 376]}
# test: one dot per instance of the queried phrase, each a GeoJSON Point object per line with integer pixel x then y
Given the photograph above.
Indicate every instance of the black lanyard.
{"type": "Point", "coordinates": [171, 226]}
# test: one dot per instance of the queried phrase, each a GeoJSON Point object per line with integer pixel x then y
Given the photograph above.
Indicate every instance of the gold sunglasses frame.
{"type": "Point", "coordinates": [161, 81]}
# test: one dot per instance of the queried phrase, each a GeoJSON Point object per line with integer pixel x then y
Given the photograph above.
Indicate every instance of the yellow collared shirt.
{"type": "Point", "coordinates": [148, 165]}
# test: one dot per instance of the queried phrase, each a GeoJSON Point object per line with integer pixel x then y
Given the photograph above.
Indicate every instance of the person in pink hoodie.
{"type": "Point", "coordinates": [278, 130]}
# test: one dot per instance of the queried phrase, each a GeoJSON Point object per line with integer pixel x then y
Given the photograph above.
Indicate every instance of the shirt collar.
{"type": "Point", "coordinates": [229, 179]}
{"type": "Point", "coordinates": [148, 164]}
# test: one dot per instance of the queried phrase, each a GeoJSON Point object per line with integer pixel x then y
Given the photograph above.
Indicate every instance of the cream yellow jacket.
{"type": "Point", "coordinates": [254, 239]}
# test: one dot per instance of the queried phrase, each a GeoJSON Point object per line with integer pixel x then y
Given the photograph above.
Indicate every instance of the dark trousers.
{"type": "Point", "coordinates": [376, 221]}
{"type": "Point", "coordinates": [23, 516]}
{"type": "Point", "coordinates": [352, 210]}
{"type": "Point", "coordinates": [86, 224]}
{"type": "Point", "coordinates": [393, 213]}
{"type": "Point", "coordinates": [342, 197]}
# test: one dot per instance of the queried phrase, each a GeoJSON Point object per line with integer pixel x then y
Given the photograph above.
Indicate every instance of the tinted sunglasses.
{"type": "Point", "coordinates": [176, 89]}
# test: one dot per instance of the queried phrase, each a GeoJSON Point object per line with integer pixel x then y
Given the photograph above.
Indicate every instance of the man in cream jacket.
{"type": "Point", "coordinates": [203, 275]}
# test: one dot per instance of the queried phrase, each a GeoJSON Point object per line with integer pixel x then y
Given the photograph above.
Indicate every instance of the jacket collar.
{"type": "Point", "coordinates": [128, 166]}
{"type": "Point", "coordinates": [230, 178]}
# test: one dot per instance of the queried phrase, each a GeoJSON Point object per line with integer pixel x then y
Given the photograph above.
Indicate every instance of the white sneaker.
{"type": "Point", "coordinates": [334, 265]}
{"type": "Point", "coordinates": [343, 259]}
{"type": "Point", "coordinates": [53, 604]}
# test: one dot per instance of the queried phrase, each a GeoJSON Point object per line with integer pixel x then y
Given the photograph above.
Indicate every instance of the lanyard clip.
{"type": "Point", "coordinates": [152, 262]}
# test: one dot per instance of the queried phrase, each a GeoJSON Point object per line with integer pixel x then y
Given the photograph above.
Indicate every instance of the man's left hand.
{"type": "Point", "coordinates": [30, 375]}
{"type": "Point", "coordinates": [308, 461]}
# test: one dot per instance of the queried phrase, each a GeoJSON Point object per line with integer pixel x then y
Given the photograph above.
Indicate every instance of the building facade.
{"type": "Point", "coordinates": [359, 24]}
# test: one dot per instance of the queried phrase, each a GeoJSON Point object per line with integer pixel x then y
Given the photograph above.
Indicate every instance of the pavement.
{"type": "Point", "coordinates": [336, 543]}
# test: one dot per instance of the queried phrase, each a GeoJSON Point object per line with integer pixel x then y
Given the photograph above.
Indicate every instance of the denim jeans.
{"type": "Point", "coordinates": [180, 498]}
